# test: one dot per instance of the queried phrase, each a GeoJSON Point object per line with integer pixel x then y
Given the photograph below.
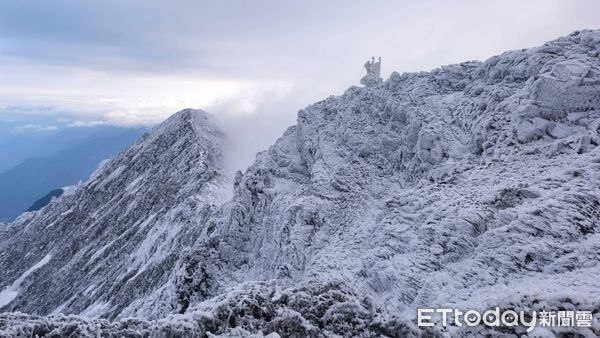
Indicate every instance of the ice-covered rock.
{"type": "Point", "coordinates": [464, 187]}
{"type": "Point", "coordinates": [474, 185]}
{"type": "Point", "coordinates": [118, 237]}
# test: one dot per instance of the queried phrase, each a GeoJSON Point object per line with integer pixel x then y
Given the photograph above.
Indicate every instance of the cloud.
{"type": "Point", "coordinates": [271, 39]}
{"type": "Point", "coordinates": [252, 64]}
{"type": "Point", "coordinates": [35, 127]}
{"type": "Point", "coordinates": [84, 124]}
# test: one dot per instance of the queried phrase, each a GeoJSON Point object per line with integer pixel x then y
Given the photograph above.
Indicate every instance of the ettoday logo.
{"type": "Point", "coordinates": [505, 318]}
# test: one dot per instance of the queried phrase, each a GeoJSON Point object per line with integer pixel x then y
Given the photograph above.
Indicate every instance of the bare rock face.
{"type": "Point", "coordinates": [472, 186]}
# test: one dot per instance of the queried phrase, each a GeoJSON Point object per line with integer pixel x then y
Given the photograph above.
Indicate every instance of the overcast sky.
{"type": "Point", "coordinates": [253, 64]}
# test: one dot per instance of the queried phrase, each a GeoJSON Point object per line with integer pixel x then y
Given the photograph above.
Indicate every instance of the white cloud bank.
{"type": "Point", "coordinates": [252, 64]}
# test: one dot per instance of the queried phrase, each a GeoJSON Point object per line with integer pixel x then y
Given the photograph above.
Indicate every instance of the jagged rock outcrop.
{"type": "Point", "coordinates": [473, 185]}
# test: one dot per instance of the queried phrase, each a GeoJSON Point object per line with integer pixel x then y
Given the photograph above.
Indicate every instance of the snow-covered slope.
{"type": "Point", "coordinates": [117, 237]}
{"type": "Point", "coordinates": [473, 185]}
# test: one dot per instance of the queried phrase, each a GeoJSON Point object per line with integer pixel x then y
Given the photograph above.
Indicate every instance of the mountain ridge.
{"type": "Point", "coordinates": [115, 214]}
{"type": "Point", "coordinates": [470, 186]}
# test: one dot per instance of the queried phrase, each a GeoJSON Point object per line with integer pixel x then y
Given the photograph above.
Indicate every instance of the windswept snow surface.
{"type": "Point", "coordinates": [472, 186]}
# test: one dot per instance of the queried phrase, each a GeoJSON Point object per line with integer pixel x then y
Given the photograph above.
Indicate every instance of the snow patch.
{"type": "Point", "coordinates": [11, 292]}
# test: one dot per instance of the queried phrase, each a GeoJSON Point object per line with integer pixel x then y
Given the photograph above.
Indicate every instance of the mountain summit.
{"type": "Point", "coordinates": [117, 237]}
{"type": "Point", "coordinates": [471, 186]}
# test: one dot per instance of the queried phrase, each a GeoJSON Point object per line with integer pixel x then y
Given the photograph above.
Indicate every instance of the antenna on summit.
{"type": "Point", "coordinates": [373, 77]}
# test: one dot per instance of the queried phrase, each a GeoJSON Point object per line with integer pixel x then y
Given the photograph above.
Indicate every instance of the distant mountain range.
{"type": "Point", "coordinates": [18, 143]}
{"type": "Point", "coordinates": [42, 202]}
{"type": "Point", "coordinates": [52, 161]}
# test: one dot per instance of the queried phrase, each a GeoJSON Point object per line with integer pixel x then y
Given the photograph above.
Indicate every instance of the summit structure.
{"type": "Point", "coordinates": [373, 77]}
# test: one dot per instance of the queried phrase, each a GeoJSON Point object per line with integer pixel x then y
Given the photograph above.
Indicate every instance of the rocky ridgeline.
{"type": "Point", "coordinates": [473, 186]}
{"type": "Point", "coordinates": [116, 238]}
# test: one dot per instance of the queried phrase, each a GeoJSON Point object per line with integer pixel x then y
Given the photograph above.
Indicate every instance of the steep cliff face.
{"type": "Point", "coordinates": [474, 185]}
{"type": "Point", "coordinates": [117, 237]}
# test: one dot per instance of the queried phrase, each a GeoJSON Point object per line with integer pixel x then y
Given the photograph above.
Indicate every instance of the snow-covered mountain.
{"type": "Point", "coordinates": [114, 239]}
{"type": "Point", "coordinates": [473, 186]}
